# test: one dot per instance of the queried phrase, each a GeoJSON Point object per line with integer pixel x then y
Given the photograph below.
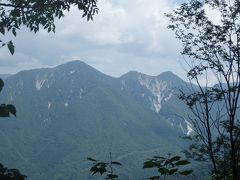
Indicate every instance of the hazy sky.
{"type": "Point", "coordinates": [125, 35]}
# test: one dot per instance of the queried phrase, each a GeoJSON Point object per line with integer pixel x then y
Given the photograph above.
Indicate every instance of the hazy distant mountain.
{"type": "Point", "coordinates": [4, 76]}
{"type": "Point", "coordinates": [72, 111]}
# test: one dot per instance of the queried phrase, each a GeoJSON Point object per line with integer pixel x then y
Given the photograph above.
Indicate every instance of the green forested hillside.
{"type": "Point", "coordinates": [70, 112]}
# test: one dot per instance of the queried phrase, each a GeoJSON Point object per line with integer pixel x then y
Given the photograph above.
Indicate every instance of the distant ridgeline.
{"type": "Point", "coordinates": [72, 111]}
{"type": "Point", "coordinates": [4, 76]}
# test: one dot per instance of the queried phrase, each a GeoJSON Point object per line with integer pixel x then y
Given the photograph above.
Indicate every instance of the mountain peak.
{"type": "Point", "coordinates": [75, 64]}
{"type": "Point", "coordinates": [130, 74]}
{"type": "Point", "coordinates": [165, 76]}
{"type": "Point", "coordinates": [78, 67]}
{"type": "Point", "coordinates": [135, 75]}
{"type": "Point", "coordinates": [167, 73]}
{"type": "Point", "coordinates": [169, 76]}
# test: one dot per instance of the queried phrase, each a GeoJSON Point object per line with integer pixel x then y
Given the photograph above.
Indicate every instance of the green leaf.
{"type": "Point", "coordinates": [154, 178]}
{"type": "Point", "coordinates": [148, 164]}
{"type": "Point", "coordinates": [171, 160]}
{"type": "Point", "coordinates": [85, 13]}
{"type": "Point", "coordinates": [91, 159]}
{"type": "Point", "coordinates": [4, 111]}
{"type": "Point", "coordinates": [94, 170]}
{"type": "Point", "coordinates": [117, 163]}
{"type": "Point", "coordinates": [11, 108]}
{"type": "Point", "coordinates": [163, 170]}
{"type": "Point", "coordinates": [159, 157]}
{"type": "Point", "coordinates": [1, 84]}
{"type": "Point", "coordinates": [175, 158]}
{"type": "Point", "coordinates": [14, 32]}
{"type": "Point", "coordinates": [2, 30]}
{"type": "Point", "coordinates": [102, 170]}
{"type": "Point", "coordinates": [182, 162]}
{"type": "Point", "coordinates": [172, 171]}
{"type": "Point", "coordinates": [11, 47]}
{"type": "Point", "coordinates": [112, 176]}
{"type": "Point", "coordinates": [185, 173]}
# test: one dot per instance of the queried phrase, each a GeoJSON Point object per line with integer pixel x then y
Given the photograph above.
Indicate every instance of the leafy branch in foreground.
{"type": "Point", "coordinates": [167, 166]}
{"type": "Point", "coordinates": [10, 174]}
{"type": "Point", "coordinates": [34, 14]}
{"type": "Point", "coordinates": [5, 173]}
{"type": "Point", "coordinates": [104, 168]}
{"type": "Point", "coordinates": [6, 109]}
{"type": "Point", "coordinates": [212, 50]}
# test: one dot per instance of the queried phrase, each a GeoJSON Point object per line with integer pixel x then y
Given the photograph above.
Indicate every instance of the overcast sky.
{"type": "Point", "coordinates": [125, 35]}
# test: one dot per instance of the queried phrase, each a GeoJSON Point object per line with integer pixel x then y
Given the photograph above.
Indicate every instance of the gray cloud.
{"type": "Point", "coordinates": [125, 35]}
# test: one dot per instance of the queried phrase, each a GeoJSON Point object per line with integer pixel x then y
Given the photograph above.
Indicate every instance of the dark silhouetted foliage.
{"type": "Point", "coordinates": [213, 50]}
{"type": "Point", "coordinates": [6, 109]}
{"type": "Point", "coordinates": [104, 168]}
{"type": "Point", "coordinates": [5, 173]}
{"type": "Point", "coordinates": [10, 174]}
{"type": "Point", "coordinates": [167, 166]}
{"type": "Point", "coordinates": [34, 14]}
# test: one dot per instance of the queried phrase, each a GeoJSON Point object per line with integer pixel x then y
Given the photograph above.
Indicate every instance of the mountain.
{"type": "Point", "coordinates": [72, 111]}
{"type": "Point", "coordinates": [160, 93]}
{"type": "Point", "coordinates": [4, 76]}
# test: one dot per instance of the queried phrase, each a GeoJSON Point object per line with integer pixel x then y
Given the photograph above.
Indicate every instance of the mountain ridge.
{"type": "Point", "coordinates": [79, 63]}
{"type": "Point", "coordinates": [72, 111]}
